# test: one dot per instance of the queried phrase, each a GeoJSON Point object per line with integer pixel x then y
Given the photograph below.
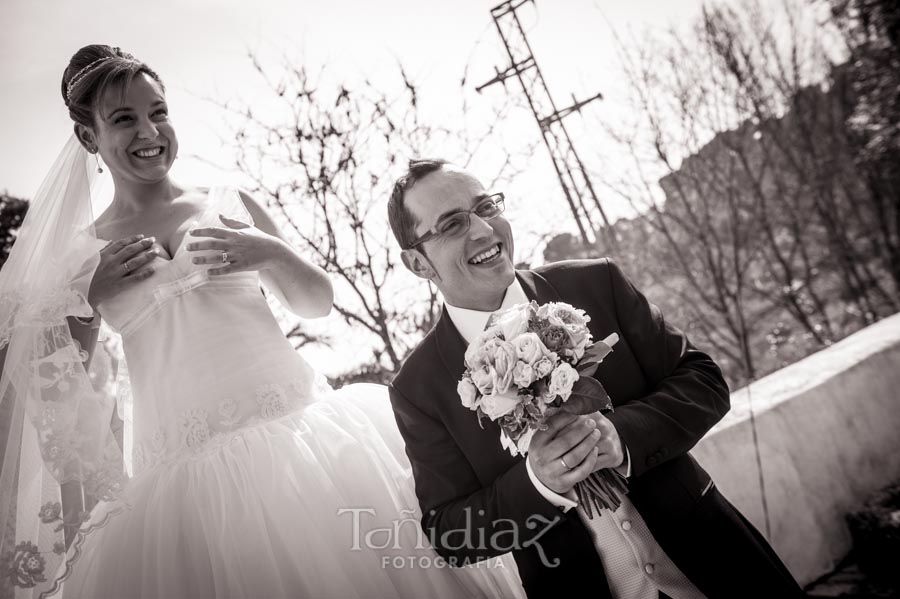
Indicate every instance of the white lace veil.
{"type": "Point", "coordinates": [59, 420]}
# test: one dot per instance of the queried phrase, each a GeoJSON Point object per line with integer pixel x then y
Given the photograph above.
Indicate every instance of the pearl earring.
{"type": "Point", "coordinates": [99, 168]}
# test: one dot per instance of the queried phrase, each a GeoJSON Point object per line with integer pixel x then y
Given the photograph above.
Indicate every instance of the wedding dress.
{"type": "Point", "coordinates": [250, 476]}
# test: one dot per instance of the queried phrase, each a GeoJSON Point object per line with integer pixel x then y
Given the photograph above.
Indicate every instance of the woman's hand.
{"type": "Point", "coordinates": [241, 247]}
{"type": "Point", "coordinates": [300, 286]}
{"type": "Point", "coordinates": [121, 265]}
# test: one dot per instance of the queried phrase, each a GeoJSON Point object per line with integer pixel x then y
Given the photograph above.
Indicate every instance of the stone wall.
{"type": "Point", "coordinates": [829, 434]}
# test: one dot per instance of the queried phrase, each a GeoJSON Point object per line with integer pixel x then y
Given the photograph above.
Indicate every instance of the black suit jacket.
{"type": "Point", "coordinates": [666, 394]}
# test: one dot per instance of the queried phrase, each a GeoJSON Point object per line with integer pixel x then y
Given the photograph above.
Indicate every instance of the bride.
{"type": "Point", "coordinates": [249, 476]}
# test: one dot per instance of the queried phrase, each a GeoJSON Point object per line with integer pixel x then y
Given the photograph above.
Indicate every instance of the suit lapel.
{"type": "Point", "coordinates": [450, 345]}
{"type": "Point", "coordinates": [536, 287]}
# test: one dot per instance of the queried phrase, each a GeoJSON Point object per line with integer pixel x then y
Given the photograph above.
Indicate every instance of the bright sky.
{"type": "Point", "coordinates": [200, 47]}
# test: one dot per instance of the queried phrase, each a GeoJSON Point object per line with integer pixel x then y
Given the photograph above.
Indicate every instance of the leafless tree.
{"type": "Point", "coordinates": [324, 159]}
{"type": "Point", "coordinates": [762, 211]}
{"type": "Point", "coordinates": [811, 138]}
{"type": "Point", "coordinates": [870, 30]}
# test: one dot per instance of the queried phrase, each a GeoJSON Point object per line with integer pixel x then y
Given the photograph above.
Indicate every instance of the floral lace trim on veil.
{"type": "Point", "coordinates": [200, 435]}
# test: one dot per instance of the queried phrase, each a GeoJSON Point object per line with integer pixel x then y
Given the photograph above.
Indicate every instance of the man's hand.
{"type": "Point", "coordinates": [565, 453]}
{"type": "Point", "coordinates": [610, 449]}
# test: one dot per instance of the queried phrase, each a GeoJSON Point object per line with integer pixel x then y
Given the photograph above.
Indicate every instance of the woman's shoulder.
{"type": "Point", "coordinates": [103, 225]}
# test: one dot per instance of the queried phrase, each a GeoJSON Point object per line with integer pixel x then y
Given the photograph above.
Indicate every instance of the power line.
{"type": "Point", "coordinates": [573, 177]}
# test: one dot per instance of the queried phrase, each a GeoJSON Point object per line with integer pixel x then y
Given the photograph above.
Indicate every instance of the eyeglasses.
{"type": "Point", "coordinates": [458, 223]}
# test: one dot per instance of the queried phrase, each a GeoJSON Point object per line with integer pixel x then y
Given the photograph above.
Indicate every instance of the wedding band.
{"type": "Point", "coordinates": [127, 268]}
{"type": "Point", "coordinates": [566, 466]}
{"type": "Point", "coordinates": [225, 257]}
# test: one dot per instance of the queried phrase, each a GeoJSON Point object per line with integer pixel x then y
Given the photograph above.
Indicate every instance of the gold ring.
{"type": "Point", "coordinates": [566, 466]}
{"type": "Point", "coordinates": [127, 268]}
{"type": "Point", "coordinates": [225, 257]}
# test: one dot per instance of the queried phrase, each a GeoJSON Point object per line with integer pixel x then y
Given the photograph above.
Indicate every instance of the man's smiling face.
{"type": "Point", "coordinates": [472, 270]}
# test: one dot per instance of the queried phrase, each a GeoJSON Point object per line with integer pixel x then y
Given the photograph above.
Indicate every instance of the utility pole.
{"type": "Point", "coordinates": [576, 184]}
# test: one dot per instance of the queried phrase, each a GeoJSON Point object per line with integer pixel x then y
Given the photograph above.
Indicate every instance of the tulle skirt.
{"type": "Point", "coordinates": [318, 503]}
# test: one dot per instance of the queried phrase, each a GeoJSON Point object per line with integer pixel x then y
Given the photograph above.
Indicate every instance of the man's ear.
{"type": "Point", "coordinates": [86, 137]}
{"type": "Point", "coordinates": [417, 264]}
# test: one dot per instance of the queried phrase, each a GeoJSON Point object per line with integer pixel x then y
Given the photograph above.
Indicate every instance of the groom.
{"type": "Point", "coordinates": [675, 535]}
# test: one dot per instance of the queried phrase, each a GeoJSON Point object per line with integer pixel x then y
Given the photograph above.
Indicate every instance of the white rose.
{"type": "Point", "coordinates": [544, 311]}
{"type": "Point", "coordinates": [499, 404]}
{"type": "Point", "coordinates": [513, 322]}
{"type": "Point", "coordinates": [529, 348]}
{"type": "Point", "coordinates": [468, 393]}
{"type": "Point", "coordinates": [562, 380]}
{"type": "Point", "coordinates": [523, 374]}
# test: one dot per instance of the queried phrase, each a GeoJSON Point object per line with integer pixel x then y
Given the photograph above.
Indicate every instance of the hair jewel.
{"type": "Point", "coordinates": [82, 73]}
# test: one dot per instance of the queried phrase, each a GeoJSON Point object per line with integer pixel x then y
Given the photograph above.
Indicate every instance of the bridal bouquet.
{"type": "Point", "coordinates": [530, 362]}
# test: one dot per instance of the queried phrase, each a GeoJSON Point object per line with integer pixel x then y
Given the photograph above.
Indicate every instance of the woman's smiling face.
{"type": "Point", "coordinates": [133, 133]}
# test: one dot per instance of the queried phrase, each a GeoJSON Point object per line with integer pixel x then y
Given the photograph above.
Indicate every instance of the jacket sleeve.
{"type": "Point", "coordinates": [688, 393]}
{"type": "Point", "coordinates": [462, 519]}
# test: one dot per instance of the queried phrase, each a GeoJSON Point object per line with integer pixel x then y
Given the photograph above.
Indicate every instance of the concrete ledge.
{"type": "Point", "coordinates": [829, 435]}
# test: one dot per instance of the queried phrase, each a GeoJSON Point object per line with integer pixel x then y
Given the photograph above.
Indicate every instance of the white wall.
{"type": "Point", "coordinates": [829, 434]}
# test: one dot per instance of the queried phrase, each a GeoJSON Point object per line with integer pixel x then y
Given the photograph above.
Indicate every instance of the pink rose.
{"type": "Point", "coordinates": [504, 363]}
{"type": "Point", "coordinates": [480, 351]}
{"type": "Point", "coordinates": [569, 315]}
{"type": "Point", "coordinates": [491, 355]}
{"type": "Point", "coordinates": [580, 339]}
{"type": "Point", "coordinates": [554, 337]}
{"type": "Point", "coordinates": [499, 404]}
{"type": "Point", "coordinates": [543, 367]}
{"type": "Point", "coordinates": [523, 375]}
{"type": "Point", "coordinates": [483, 379]}
{"type": "Point", "coordinates": [543, 396]}
{"type": "Point", "coordinates": [468, 393]}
